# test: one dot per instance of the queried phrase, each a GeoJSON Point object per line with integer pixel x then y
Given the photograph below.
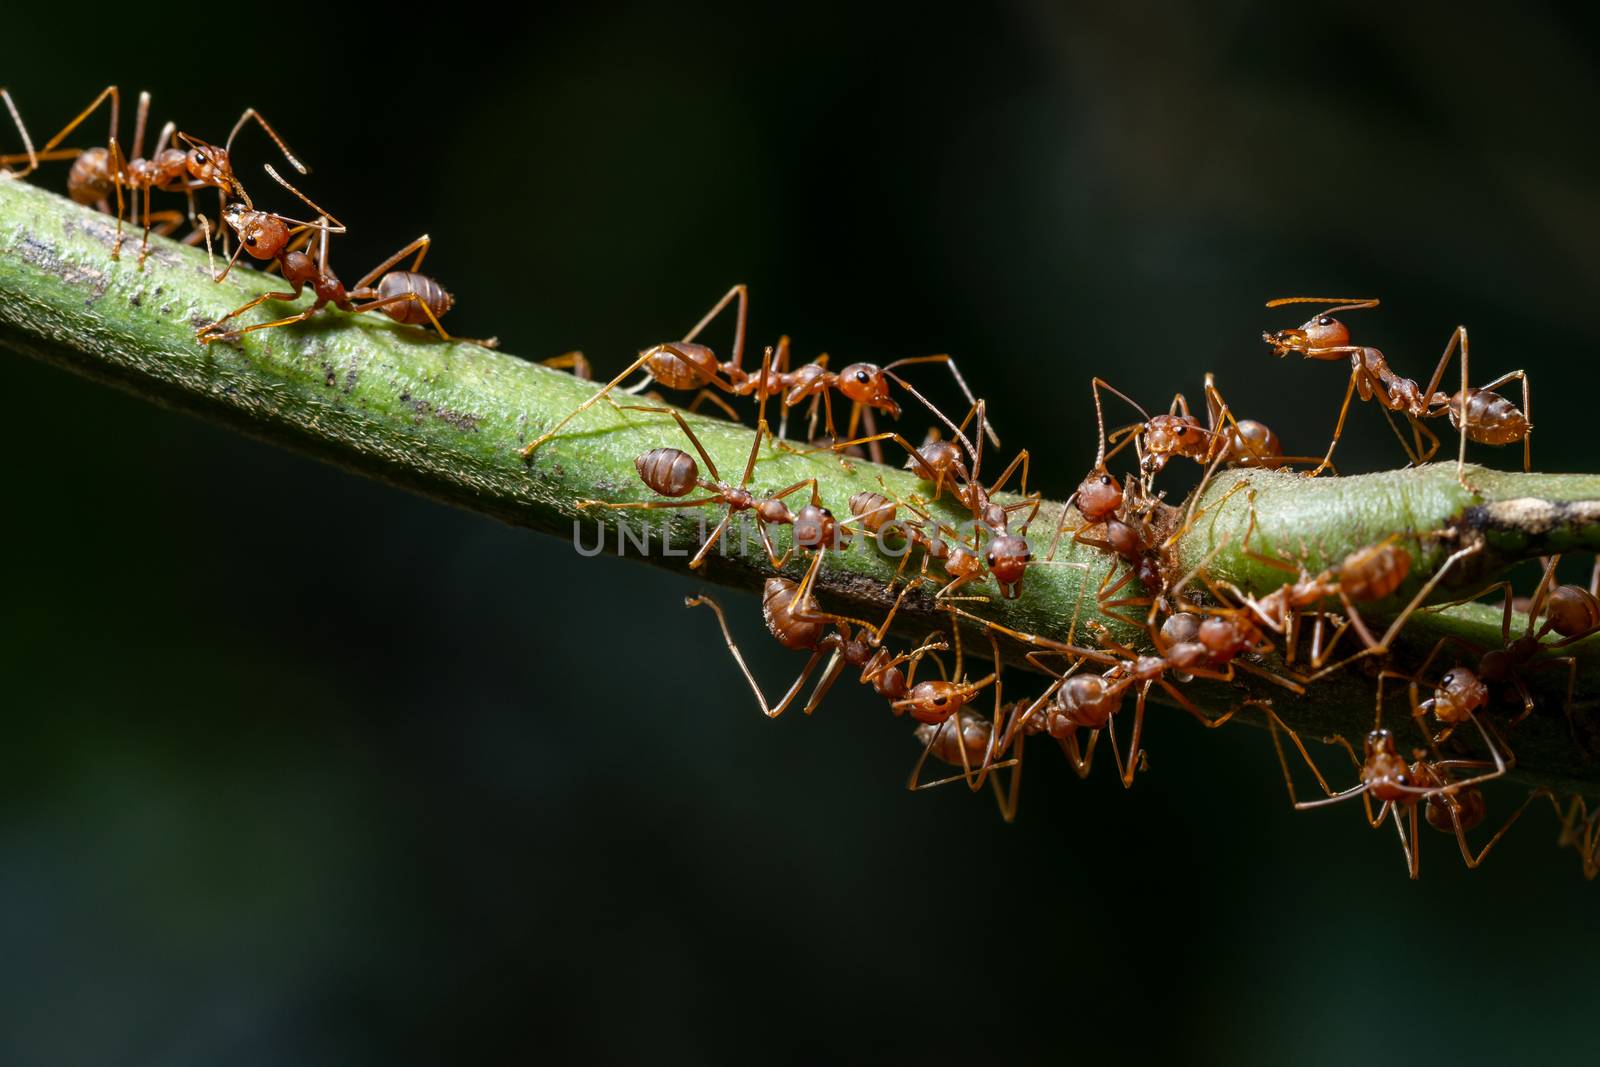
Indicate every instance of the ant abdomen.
{"type": "Point", "coordinates": [967, 730]}
{"type": "Point", "coordinates": [1491, 418]}
{"type": "Point", "coordinates": [428, 292]}
{"type": "Point", "coordinates": [89, 180]}
{"type": "Point", "coordinates": [873, 511]}
{"type": "Point", "coordinates": [1252, 444]}
{"type": "Point", "coordinates": [1374, 572]}
{"type": "Point", "coordinates": [668, 471]}
{"type": "Point", "coordinates": [1572, 610]}
{"type": "Point", "coordinates": [777, 609]}
{"type": "Point", "coordinates": [683, 365]}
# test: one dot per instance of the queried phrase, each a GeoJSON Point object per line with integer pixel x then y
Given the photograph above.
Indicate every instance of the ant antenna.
{"type": "Point", "coordinates": [941, 416]}
{"type": "Point", "coordinates": [338, 227]}
{"type": "Point", "coordinates": [252, 113]}
{"type": "Point", "coordinates": [1345, 303]}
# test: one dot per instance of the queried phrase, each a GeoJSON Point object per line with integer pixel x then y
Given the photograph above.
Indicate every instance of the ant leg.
{"type": "Point", "coordinates": [1338, 427]}
{"type": "Point", "coordinates": [1135, 740]}
{"type": "Point", "coordinates": [576, 361]}
{"type": "Point", "coordinates": [770, 711]}
{"type": "Point", "coordinates": [27, 142]}
{"type": "Point", "coordinates": [742, 294]}
{"type": "Point", "coordinates": [416, 298]}
{"type": "Point", "coordinates": [955, 372]}
{"type": "Point", "coordinates": [165, 223]}
{"type": "Point", "coordinates": [1527, 412]}
{"type": "Point", "coordinates": [109, 92]}
{"type": "Point", "coordinates": [251, 113]}
{"type": "Point", "coordinates": [1473, 861]}
{"type": "Point", "coordinates": [210, 333]}
{"type": "Point", "coordinates": [1412, 847]}
{"type": "Point", "coordinates": [420, 246]}
{"type": "Point", "coordinates": [1381, 647]}
{"type": "Point", "coordinates": [1274, 724]}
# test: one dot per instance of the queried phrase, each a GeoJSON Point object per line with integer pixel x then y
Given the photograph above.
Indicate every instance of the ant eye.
{"type": "Point", "coordinates": [1449, 679]}
{"type": "Point", "coordinates": [1325, 321]}
{"type": "Point", "coordinates": [863, 377]}
{"type": "Point", "coordinates": [251, 240]}
{"type": "Point", "coordinates": [1105, 479]}
{"type": "Point", "coordinates": [939, 701]}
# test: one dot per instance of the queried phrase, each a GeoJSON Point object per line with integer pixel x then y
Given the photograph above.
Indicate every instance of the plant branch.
{"type": "Point", "coordinates": [447, 420]}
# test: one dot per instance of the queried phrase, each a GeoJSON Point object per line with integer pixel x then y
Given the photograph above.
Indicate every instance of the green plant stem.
{"type": "Point", "coordinates": [448, 420]}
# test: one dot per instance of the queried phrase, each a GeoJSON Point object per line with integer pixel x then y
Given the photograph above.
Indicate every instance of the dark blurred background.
{"type": "Point", "coordinates": [300, 769]}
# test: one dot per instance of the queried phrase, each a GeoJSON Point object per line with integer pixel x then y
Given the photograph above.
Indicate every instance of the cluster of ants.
{"type": "Point", "coordinates": [1195, 625]}
{"type": "Point", "coordinates": [118, 181]}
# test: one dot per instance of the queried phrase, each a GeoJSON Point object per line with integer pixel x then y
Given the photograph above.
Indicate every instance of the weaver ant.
{"type": "Point", "coordinates": [403, 295]}
{"type": "Point", "coordinates": [1580, 830]}
{"type": "Point", "coordinates": [99, 174]}
{"type": "Point", "coordinates": [968, 738]}
{"type": "Point", "coordinates": [1480, 414]}
{"type": "Point", "coordinates": [673, 473]}
{"type": "Point", "coordinates": [1571, 611]}
{"type": "Point", "coordinates": [1365, 576]}
{"type": "Point", "coordinates": [1451, 805]}
{"type": "Point", "coordinates": [795, 621]}
{"type": "Point", "coordinates": [1223, 440]}
{"type": "Point", "coordinates": [687, 365]}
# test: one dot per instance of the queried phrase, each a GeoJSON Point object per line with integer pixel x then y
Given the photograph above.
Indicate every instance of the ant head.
{"type": "Point", "coordinates": [1460, 693]}
{"type": "Point", "coordinates": [1099, 495]}
{"type": "Point", "coordinates": [1008, 559]}
{"type": "Point", "coordinates": [1321, 331]}
{"type": "Point", "coordinates": [263, 234]}
{"type": "Point", "coordinates": [209, 164]}
{"type": "Point", "coordinates": [1172, 435]}
{"type": "Point", "coordinates": [933, 702]}
{"type": "Point", "coordinates": [866, 383]}
{"type": "Point", "coordinates": [1381, 742]}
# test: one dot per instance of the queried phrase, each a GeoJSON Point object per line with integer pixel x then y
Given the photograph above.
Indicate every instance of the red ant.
{"type": "Point", "coordinates": [673, 473]}
{"type": "Point", "coordinates": [966, 739]}
{"type": "Point", "coordinates": [793, 618]}
{"type": "Point", "coordinates": [1223, 440]}
{"type": "Point", "coordinates": [1580, 830]}
{"type": "Point", "coordinates": [404, 295]}
{"type": "Point", "coordinates": [1481, 415]}
{"type": "Point", "coordinates": [1078, 701]}
{"type": "Point", "coordinates": [1571, 611]}
{"type": "Point", "coordinates": [1451, 805]}
{"type": "Point", "coordinates": [98, 174]}
{"type": "Point", "coordinates": [687, 365]}
{"type": "Point", "coordinates": [1365, 576]}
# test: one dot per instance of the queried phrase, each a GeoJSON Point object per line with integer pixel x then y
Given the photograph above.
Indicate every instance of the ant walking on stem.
{"type": "Point", "coordinates": [686, 364]}
{"type": "Point", "coordinates": [1479, 414]}
{"type": "Point", "coordinates": [673, 473]}
{"type": "Point", "coordinates": [100, 174]}
{"type": "Point", "coordinates": [405, 296]}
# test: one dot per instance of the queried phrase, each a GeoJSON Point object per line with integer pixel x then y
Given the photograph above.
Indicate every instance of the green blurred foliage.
{"type": "Point", "coordinates": [304, 770]}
